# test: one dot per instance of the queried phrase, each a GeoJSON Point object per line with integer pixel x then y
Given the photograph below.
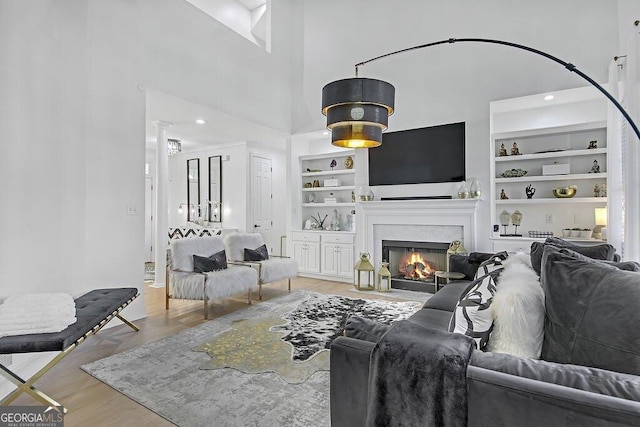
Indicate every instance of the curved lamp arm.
{"type": "Point", "coordinates": [567, 65]}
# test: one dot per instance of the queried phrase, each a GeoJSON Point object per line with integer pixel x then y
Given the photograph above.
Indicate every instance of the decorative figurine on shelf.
{"type": "Point", "coordinates": [592, 144]}
{"type": "Point", "coordinates": [312, 198]}
{"type": "Point", "coordinates": [353, 197]}
{"type": "Point", "coordinates": [603, 190]}
{"type": "Point", "coordinates": [516, 220]}
{"type": "Point", "coordinates": [596, 190]}
{"type": "Point", "coordinates": [530, 191]}
{"type": "Point", "coordinates": [348, 162]}
{"type": "Point", "coordinates": [316, 183]}
{"type": "Point", "coordinates": [595, 168]}
{"type": "Point", "coordinates": [503, 150]}
{"type": "Point", "coordinates": [514, 149]}
{"type": "Point", "coordinates": [333, 164]}
{"type": "Point", "coordinates": [335, 222]}
{"type": "Point", "coordinates": [503, 195]}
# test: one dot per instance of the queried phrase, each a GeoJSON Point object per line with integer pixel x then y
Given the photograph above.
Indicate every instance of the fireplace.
{"type": "Point", "coordinates": [413, 264]}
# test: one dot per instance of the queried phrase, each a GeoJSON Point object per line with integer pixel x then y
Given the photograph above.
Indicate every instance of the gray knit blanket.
{"type": "Point", "coordinates": [418, 378]}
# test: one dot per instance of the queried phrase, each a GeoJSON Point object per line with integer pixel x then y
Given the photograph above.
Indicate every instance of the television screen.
{"type": "Point", "coordinates": [418, 156]}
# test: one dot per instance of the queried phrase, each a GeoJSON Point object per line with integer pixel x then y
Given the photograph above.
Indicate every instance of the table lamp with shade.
{"type": "Point", "coordinates": [600, 230]}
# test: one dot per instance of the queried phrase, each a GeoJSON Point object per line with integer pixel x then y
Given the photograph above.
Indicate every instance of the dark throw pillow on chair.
{"type": "Point", "coordinates": [217, 261]}
{"type": "Point", "coordinates": [257, 254]}
{"type": "Point", "coordinates": [603, 252]}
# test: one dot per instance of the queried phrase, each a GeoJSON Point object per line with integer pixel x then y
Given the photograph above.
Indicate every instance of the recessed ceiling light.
{"type": "Point", "coordinates": [548, 97]}
{"type": "Point", "coordinates": [200, 122]}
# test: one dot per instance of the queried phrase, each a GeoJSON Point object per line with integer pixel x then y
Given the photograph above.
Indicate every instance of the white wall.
{"type": "Point", "coordinates": [449, 83]}
{"type": "Point", "coordinates": [234, 181]}
{"type": "Point", "coordinates": [72, 117]}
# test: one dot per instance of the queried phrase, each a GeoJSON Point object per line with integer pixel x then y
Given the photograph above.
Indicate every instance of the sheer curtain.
{"type": "Point", "coordinates": [624, 165]}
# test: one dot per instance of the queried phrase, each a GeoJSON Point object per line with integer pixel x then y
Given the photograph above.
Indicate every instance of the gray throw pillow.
{"type": "Point", "coordinates": [258, 254]}
{"type": "Point", "coordinates": [217, 261]}
{"type": "Point", "coordinates": [591, 313]}
{"type": "Point", "coordinates": [620, 265]}
{"type": "Point", "coordinates": [601, 252]}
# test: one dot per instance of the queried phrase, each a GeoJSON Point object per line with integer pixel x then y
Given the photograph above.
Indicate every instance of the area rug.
{"type": "Point", "coordinates": [244, 386]}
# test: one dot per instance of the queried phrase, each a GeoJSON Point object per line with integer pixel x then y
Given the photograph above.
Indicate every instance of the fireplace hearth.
{"type": "Point", "coordinates": [413, 264]}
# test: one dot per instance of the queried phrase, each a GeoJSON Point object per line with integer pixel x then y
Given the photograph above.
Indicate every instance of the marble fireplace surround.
{"type": "Point", "coordinates": [440, 220]}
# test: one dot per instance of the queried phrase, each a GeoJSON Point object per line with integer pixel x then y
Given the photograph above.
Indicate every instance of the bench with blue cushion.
{"type": "Point", "coordinates": [93, 311]}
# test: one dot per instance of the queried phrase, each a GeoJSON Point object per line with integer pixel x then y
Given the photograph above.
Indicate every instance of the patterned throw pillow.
{"type": "Point", "coordinates": [258, 254]}
{"type": "Point", "coordinates": [217, 261]}
{"type": "Point", "coordinates": [492, 264]}
{"type": "Point", "coordinates": [472, 316]}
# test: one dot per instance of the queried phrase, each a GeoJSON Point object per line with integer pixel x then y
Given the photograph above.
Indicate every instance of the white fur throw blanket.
{"type": "Point", "coordinates": [518, 310]}
{"type": "Point", "coordinates": [36, 313]}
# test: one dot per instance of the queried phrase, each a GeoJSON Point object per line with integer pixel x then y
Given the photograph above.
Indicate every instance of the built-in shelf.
{"type": "Point", "coordinates": [540, 178]}
{"type": "Point", "coordinates": [552, 155]}
{"type": "Point", "coordinates": [535, 201]}
{"type": "Point", "coordinates": [328, 205]}
{"type": "Point", "coordinates": [551, 130]}
{"type": "Point", "coordinates": [339, 188]}
{"type": "Point", "coordinates": [328, 173]}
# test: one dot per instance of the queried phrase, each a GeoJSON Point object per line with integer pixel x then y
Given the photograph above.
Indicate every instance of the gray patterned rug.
{"type": "Point", "coordinates": [167, 376]}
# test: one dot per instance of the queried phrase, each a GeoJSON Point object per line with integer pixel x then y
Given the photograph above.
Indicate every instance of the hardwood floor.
{"type": "Point", "coordinates": [93, 403]}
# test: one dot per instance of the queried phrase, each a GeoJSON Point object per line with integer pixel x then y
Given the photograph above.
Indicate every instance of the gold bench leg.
{"type": "Point", "coordinates": [128, 323]}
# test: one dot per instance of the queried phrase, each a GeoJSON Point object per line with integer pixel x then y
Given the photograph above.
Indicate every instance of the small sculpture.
{"type": "Point", "coordinates": [530, 191]}
{"type": "Point", "coordinates": [514, 149]}
{"type": "Point", "coordinates": [348, 162]}
{"type": "Point", "coordinates": [503, 150]}
{"type": "Point", "coordinates": [312, 197]}
{"type": "Point", "coordinates": [596, 190]}
{"type": "Point", "coordinates": [503, 195]}
{"type": "Point", "coordinates": [595, 168]}
{"type": "Point", "coordinates": [353, 197]}
{"type": "Point", "coordinates": [316, 183]}
{"type": "Point", "coordinates": [333, 164]}
{"type": "Point", "coordinates": [335, 223]}
{"type": "Point", "coordinates": [592, 144]}
{"type": "Point", "coordinates": [603, 190]}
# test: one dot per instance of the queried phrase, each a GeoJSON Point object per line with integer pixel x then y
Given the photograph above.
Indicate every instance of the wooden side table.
{"type": "Point", "coordinates": [445, 275]}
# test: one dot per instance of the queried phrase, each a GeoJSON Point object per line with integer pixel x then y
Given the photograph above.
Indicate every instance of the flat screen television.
{"type": "Point", "coordinates": [418, 156]}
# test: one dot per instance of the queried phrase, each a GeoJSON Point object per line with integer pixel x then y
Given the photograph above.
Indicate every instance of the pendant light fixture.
{"type": "Point", "coordinates": [357, 111]}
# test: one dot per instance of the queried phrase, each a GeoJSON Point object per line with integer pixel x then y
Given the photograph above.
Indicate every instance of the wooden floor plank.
{"type": "Point", "coordinates": [93, 403]}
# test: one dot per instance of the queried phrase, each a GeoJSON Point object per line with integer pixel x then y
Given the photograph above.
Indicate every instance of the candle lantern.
{"type": "Point", "coordinates": [364, 266]}
{"type": "Point", "coordinates": [384, 278]}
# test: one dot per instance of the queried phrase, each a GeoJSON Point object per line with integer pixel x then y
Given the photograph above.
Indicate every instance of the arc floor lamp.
{"type": "Point", "coordinates": [357, 109]}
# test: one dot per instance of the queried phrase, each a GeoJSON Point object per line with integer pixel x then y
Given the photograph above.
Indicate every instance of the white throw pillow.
{"type": "Point", "coordinates": [518, 310]}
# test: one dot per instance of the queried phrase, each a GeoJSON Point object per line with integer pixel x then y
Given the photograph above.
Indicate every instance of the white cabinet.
{"type": "Point", "coordinates": [324, 255]}
{"type": "Point", "coordinates": [555, 132]}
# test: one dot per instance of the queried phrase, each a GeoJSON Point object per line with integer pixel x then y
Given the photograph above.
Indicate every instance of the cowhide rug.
{"type": "Point", "coordinates": [295, 343]}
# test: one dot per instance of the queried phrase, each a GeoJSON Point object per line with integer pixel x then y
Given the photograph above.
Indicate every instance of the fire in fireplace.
{"type": "Point", "coordinates": [413, 264]}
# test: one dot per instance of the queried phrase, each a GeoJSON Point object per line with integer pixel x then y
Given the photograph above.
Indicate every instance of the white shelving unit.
{"type": "Point", "coordinates": [548, 132]}
{"type": "Point", "coordinates": [327, 253]}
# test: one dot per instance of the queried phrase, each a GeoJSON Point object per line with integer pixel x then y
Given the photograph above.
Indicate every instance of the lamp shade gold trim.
{"type": "Point", "coordinates": [357, 111]}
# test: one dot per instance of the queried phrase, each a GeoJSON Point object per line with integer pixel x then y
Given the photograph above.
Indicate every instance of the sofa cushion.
{"type": "Point", "coordinates": [593, 380]}
{"type": "Point", "coordinates": [432, 318]}
{"type": "Point", "coordinates": [448, 296]}
{"type": "Point", "coordinates": [215, 262]}
{"type": "Point", "coordinates": [592, 313]}
{"type": "Point", "coordinates": [472, 316]}
{"type": "Point", "coordinates": [601, 252]}
{"type": "Point", "coordinates": [621, 265]}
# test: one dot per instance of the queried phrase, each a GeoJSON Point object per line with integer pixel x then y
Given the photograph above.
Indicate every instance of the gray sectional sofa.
{"type": "Point", "coordinates": [589, 373]}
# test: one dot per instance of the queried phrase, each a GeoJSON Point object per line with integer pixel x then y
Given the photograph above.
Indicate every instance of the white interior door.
{"type": "Point", "coordinates": [148, 219]}
{"type": "Point", "coordinates": [261, 197]}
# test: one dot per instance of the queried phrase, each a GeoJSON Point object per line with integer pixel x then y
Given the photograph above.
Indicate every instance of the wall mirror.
{"type": "Point", "coordinates": [193, 189]}
{"type": "Point", "coordinates": [215, 189]}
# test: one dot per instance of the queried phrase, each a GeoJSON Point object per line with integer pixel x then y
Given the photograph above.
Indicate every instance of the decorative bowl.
{"type": "Point", "coordinates": [565, 192]}
{"type": "Point", "coordinates": [513, 173]}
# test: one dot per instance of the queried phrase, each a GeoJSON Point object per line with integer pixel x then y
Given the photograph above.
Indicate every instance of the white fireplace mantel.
{"type": "Point", "coordinates": [435, 220]}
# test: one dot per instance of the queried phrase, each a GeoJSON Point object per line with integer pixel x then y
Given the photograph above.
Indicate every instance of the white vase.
{"type": "Point", "coordinates": [475, 190]}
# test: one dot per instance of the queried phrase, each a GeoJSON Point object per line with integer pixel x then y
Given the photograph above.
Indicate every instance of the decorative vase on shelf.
{"type": "Point", "coordinates": [362, 193]}
{"type": "Point", "coordinates": [475, 190]}
{"type": "Point", "coordinates": [463, 191]}
{"type": "Point", "coordinates": [369, 195]}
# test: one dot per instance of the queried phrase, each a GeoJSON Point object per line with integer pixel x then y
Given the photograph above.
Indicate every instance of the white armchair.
{"type": "Point", "coordinates": [183, 283]}
{"type": "Point", "coordinates": [273, 269]}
